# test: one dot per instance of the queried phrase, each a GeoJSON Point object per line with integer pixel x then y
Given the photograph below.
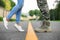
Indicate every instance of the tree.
{"type": "Point", "coordinates": [57, 11]}
{"type": "Point", "coordinates": [52, 14]}
{"type": "Point", "coordinates": [23, 15]}
{"type": "Point", "coordinates": [31, 12]}
{"type": "Point", "coordinates": [7, 4]}
{"type": "Point", "coordinates": [2, 4]}
{"type": "Point", "coordinates": [12, 4]}
{"type": "Point", "coordinates": [37, 13]}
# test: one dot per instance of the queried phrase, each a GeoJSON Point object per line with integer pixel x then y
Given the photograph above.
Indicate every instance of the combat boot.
{"type": "Point", "coordinates": [39, 29]}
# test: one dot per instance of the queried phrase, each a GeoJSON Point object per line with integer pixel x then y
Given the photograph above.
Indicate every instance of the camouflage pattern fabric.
{"type": "Point", "coordinates": [43, 6]}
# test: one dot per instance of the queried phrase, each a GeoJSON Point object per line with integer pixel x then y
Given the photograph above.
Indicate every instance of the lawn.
{"type": "Point", "coordinates": [1, 19]}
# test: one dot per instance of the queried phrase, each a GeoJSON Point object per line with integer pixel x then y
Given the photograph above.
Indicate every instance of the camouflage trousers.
{"type": "Point", "coordinates": [43, 6]}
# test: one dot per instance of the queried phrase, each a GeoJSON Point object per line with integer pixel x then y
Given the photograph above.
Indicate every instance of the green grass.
{"type": "Point", "coordinates": [56, 20]}
{"type": "Point", "coordinates": [1, 18]}
{"type": "Point", "coordinates": [12, 20]}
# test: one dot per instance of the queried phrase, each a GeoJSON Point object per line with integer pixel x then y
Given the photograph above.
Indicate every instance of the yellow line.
{"type": "Point", "coordinates": [30, 33]}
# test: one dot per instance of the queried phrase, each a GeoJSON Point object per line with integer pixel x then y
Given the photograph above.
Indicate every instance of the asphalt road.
{"type": "Point", "coordinates": [13, 34]}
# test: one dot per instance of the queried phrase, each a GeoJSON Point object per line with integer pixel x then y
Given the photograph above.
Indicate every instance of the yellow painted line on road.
{"type": "Point", "coordinates": [30, 33]}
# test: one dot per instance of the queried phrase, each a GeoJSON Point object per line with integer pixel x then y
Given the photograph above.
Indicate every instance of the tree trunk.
{"type": "Point", "coordinates": [3, 12]}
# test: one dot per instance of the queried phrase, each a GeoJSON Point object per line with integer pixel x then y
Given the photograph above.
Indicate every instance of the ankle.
{"type": "Point", "coordinates": [7, 19]}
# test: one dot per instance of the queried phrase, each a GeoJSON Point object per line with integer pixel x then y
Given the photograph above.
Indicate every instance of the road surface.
{"type": "Point", "coordinates": [13, 34]}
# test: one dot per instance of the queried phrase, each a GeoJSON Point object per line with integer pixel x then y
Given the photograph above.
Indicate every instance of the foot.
{"type": "Point", "coordinates": [43, 30]}
{"type": "Point", "coordinates": [5, 22]}
{"type": "Point", "coordinates": [19, 27]}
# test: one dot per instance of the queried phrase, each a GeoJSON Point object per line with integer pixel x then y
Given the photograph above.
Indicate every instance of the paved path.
{"type": "Point", "coordinates": [13, 34]}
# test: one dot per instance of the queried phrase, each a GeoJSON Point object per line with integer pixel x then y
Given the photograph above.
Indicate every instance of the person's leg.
{"type": "Point", "coordinates": [43, 6]}
{"type": "Point", "coordinates": [12, 12]}
{"type": "Point", "coordinates": [18, 14]}
{"type": "Point", "coordinates": [15, 9]}
{"type": "Point", "coordinates": [17, 25]}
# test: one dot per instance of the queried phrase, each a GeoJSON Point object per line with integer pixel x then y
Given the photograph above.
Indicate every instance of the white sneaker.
{"type": "Point", "coordinates": [19, 28]}
{"type": "Point", "coordinates": [5, 22]}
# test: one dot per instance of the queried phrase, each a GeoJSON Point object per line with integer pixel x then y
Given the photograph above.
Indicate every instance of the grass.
{"type": "Point", "coordinates": [54, 20]}
{"type": "Point", "coordinates": [12, 20]}
{"type": "Point", "coordinates": [1, 19]}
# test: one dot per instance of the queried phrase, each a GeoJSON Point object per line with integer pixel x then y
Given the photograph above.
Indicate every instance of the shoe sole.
{"type": "Point", "coordinates": [18, 29]}
{"type": "Point", "coordinates": [4, 25]}
{"type": "Point", "coordinates": [43, 31]}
